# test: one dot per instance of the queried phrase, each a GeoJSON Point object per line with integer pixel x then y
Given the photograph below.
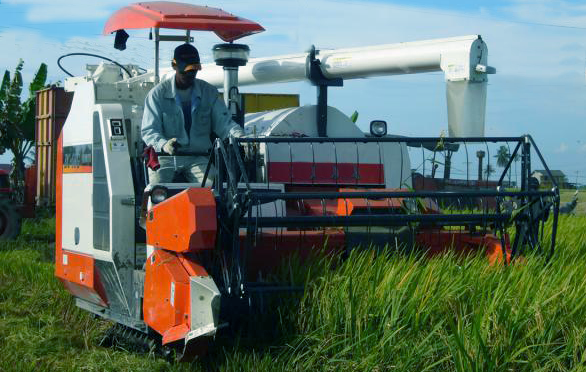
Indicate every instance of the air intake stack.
{"type": "Point", "coordinates": [230, 57]}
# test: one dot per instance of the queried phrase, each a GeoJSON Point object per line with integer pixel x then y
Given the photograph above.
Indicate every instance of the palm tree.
{"type": "Point", "coordinates": [502, 159]}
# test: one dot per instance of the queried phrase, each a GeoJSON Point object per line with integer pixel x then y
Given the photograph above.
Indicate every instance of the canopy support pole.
{"type": "Point", "coordinates": [157, 78]}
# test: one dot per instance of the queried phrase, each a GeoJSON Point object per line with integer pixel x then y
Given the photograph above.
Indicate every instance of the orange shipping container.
{"type": "Point", "coordinates": [53, 106]}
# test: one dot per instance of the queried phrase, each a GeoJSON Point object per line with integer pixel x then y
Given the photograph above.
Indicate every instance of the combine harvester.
{"type": "Point", "coordinates": [167, 262]}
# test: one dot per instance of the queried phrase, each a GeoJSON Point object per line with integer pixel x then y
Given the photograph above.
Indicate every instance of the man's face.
{"type": "Point", "coordinates": [186, 69]}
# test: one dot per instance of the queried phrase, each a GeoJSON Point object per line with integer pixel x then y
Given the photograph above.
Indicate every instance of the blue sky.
{"type": "Point", "coordinates": [537, 46]}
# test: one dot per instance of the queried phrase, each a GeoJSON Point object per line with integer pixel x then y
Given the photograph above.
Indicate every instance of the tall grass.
{"type": "Point", "coordinates": [447, 313]}
{"type": "Point", "coordinates": [370, 313]}
{"type": "Point", "coordinates": [41, 329]}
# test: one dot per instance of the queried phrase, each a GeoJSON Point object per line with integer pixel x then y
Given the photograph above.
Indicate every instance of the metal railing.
{"type": "Point", "coordinates": [495, 209]}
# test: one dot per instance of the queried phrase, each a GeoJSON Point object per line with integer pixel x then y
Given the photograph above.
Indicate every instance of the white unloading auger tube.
{"type": "Point", "coordinates": [462, 59]}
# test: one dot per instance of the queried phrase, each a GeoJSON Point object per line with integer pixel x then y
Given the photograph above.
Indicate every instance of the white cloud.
{"type": "Point", "coordinates": [515, 49]}
{"type": "Point", "coordinates": [540, 79]}
{"type": "Point", "coordinates": [557, 12]}
{"type": "Point", "coordinates": [562, 148]}
{"type": "Point", "coordinates": [67, 10]}
{"type": "Point", "coordinates": [29, 45]}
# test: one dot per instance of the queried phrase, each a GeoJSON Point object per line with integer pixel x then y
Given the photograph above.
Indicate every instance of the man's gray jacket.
{"type": "Point", "coordinates": [163, 117]}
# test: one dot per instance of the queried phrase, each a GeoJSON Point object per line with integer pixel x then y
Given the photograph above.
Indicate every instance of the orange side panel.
{"type": "Point", "coordinates": [85, 293]}
{"type": "Point", "coordinates": [59, 206]}
{"type": "Point", "coordinates": [185, 222]}
{"type": "Point", "coordinates": [494, 249]}
{"type": "Point", "coordinates": [166, 293]}
{"type": "Point", "coordinates": [439, 241]}
{"type": "Point", "coordinates": [76, 268]}
{"type": "Point", "coordinates": [77, 272]}
{"type": "Point", "coordinates": [78, 169]}
{"type": "Point", "coordinates": [192, 268]}
{"type": "Point", "coordinates": [175, 333]}
{"type": "Point", "coordinates": [346, 206]}
{"type": "Point", "coordinates": [167, 299]}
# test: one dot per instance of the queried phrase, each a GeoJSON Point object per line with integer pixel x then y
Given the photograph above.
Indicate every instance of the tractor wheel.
{"type": "Point", "coordinates": [9, 220]}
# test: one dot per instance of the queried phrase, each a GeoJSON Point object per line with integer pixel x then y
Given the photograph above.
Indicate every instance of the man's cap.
{"type": "Point", "coordinates": [186, 57]}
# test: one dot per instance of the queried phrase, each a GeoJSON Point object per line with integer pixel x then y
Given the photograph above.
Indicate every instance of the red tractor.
{"type": "Point", "coordinates": [15, 202]}
{"type": "Point", "coordinates": [9, 215]}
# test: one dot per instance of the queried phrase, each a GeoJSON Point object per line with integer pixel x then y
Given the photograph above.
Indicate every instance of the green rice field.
{"type": "Point", "coordinates": [370, 313]}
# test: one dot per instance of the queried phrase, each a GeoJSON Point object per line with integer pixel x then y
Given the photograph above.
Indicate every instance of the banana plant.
{"type": "Point", "coordinates": [17, 118]}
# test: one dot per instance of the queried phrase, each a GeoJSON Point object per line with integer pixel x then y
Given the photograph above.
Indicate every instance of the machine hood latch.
{"type": "Point", "coordinates": [485, 69]}
{"type": "Point", "coordinates": [128, 201]}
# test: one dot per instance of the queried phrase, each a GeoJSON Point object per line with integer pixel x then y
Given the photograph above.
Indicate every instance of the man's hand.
{"type": "Point", "coordinates": [249, 150]}
{"type": "Point", "coordinates": [170, 146]}
{"type": "Point", "coordinates": [237, 132]}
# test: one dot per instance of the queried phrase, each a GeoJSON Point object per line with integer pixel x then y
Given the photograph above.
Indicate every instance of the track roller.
{"type": "Point", "coordinates": [129, 339]}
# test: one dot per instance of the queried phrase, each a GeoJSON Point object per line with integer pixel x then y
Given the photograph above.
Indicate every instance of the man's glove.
{"type": "Point", "coordinates": [170, 146]}
{"type": "Point", "coordinates": [152, 159]}
{"type": "Point", "coordinates": [236, 132]}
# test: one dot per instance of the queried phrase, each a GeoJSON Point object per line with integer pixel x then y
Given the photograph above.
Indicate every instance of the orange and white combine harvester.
{"type": "Point", "coordinates": [167, 261]}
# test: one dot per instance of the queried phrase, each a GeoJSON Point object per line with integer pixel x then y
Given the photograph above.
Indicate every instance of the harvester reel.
{"type": "Point", "coordinates": [10, 220]}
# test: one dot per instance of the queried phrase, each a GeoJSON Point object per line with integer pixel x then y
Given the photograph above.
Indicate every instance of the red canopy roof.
{"type": "Point", "coordinates": [166, 14]}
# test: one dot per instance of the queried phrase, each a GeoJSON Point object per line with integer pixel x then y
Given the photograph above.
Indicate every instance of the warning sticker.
{"type": "Point", "coordinates": [77, 159]}
{"type": "Point", "coordinates": [341, 62]}
{"type": "Point", "coordinates": [118, 145]}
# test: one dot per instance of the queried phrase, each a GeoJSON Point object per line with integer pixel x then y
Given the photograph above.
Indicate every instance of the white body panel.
{"type": "Point", "coordinates": [457, 57]}
{"type": "Point", "coordinates": [397, 165]}
{"type": "Point", "coordinates": [78, 126]}
{"type": "Point", "coordinates": [77, 187]}
{"type": "Point", "coordinates": [301, 122]}
{"type": "Point", "coordinates": [77, 213]}
{"type": "Point", "coordinates": [100, 204]}
{"type": "Point", "coordinates": [77, 206]}
{"type": "Point", "coordinates": [120, 187]}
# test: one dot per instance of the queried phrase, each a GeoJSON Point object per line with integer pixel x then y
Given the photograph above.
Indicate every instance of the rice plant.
{"type": "Point", "coordinates": [369, 312]}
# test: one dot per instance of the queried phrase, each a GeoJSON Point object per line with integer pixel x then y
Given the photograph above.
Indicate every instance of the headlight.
{"type": "Point", "coordinates": [378, 128]}
{"type": "Point", "coordinates": [158, 194]}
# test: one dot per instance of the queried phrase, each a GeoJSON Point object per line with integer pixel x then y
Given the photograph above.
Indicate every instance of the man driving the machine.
{"type": "Point", "coordinates": [180, 113]}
